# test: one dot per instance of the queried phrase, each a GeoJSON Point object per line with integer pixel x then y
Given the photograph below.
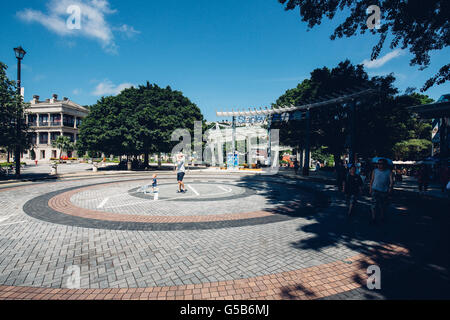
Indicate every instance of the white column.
{"type": "Point", "coordinates": [220, 151]}
{"type": "Point", "coordinates": [213, 156]}
{"type": "Point", "coordinates": [249, 149]}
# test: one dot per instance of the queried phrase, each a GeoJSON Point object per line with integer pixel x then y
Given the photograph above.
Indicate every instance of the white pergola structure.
{"type": "Point", "coordinates": [345, 96]}
{"type": "Point", "coordinates": [217, 137]}
{"type": "Point", "coordinates": [223, 134]}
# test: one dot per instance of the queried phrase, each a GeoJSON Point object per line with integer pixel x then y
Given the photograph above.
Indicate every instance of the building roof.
{"type": "Point", "coordinates": [35, 103]}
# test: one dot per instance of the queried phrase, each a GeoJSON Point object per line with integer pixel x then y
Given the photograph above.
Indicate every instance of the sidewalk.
{"type": "Point", "coordinates": [409, 184]}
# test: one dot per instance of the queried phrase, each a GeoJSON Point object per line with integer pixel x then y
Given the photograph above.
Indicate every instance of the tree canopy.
{"type": "Point", "coordinates": [137, 121]}
{"type": "Point", "coordinates": [421, 26]}
{"type": "Point", "coordinates": [382, 120]}
{"type": "Point", "coordinates": [11, 109]}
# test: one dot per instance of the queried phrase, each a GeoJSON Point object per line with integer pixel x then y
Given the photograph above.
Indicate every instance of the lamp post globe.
{"type": "Point", "coordinates": [20, 52]}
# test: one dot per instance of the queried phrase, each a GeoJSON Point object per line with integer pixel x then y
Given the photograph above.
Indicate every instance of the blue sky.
{"type": "Point", "coordinates": [220, 54]}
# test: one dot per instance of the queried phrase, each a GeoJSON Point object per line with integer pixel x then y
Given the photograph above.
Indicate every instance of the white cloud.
{"type": "Point", "coordinates": [93, 20]}
{"type": "Point", "coordinates": [371, 64]}
{"type": "Point", "coordinates": [77, 91]}
{"type": "Point", "coordinates": [106, 88]}
{"type": "Point", "coordinates": [127, 31]}
{"type": "Point", "coordinates": [39, 77]}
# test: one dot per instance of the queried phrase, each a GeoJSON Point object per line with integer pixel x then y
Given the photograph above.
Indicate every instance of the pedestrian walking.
{"type": "Point", "coordinates": [340, 174]}
{"type": "Point", "coordinates": [296, 165]}
{"type": "Point", "coordinates": [352, 188]}
{"type": "Point", "coordinates": [444, 175]}
{"type": "Point", "coordinates": [381, 185]}
{"type": "Point", "coordinates": [180, 168]}
{"type": "Point", "coordinates": [154, 185]}
{"type": "Point", "coordinates": [423, 177]}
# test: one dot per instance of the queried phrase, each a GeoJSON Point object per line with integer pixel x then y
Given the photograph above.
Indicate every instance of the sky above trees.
{"type": "Point", "coordinates": [220, 54]}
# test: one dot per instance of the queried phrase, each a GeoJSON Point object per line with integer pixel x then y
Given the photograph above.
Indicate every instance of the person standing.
{"type": "Point", "coordinates": [318, 166]}
{"type": "Point", "coordinates": [296, 166]}
{"type": "Point", "coordinates": [340, 174]}
{"type": "Point", "coordinates": [381, 185]}
{"type": "Point", "coordinates": [352, 188]}
{"type": "Point", "coordinates": [444, 175]}
{"type": "Point", "coordinates": [423, 178]}
{"type": "Point", "coordinates": [180, 167]}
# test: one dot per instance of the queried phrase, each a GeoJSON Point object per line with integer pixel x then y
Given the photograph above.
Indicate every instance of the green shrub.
{"type": "Point", "coordinates": [7, 164]}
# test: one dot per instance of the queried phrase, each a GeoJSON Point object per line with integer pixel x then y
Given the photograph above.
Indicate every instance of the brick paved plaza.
{"type": "Point", "coordinates": [231, 236]}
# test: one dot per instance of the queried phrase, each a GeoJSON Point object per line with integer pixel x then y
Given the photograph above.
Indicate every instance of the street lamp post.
{"type": "Point", "coordinates": [20, 53]}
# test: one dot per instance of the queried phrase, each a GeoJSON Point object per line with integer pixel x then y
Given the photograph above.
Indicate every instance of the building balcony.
{"type": "Point", "coordinates": [43, 123]}
{"type": "Point", "coordinates": [55, 123]}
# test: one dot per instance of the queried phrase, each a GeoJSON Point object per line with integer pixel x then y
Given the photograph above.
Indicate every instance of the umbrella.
{"type": "Point", "coordinates": [375, 160]}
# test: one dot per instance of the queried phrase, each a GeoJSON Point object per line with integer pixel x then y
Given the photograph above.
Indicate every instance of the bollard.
{"type": "Point", "coordinates": [94, 168]}
{"type": "Point", "coordinates": [54, 169]}
{"type": "Point", "coordinates": [155, 194]}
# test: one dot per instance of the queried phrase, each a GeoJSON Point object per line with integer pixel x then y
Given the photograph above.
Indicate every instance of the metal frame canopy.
{"type": "Point", "coordinates": [438, 110]}
{"type": "Point", "coordinates": [432, 110]}
{"type": "Point", "coordinates": [334, 98]}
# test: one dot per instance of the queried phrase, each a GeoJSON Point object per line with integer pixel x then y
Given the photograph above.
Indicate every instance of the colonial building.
{"type": "Point", "coordinates": [49, 119]}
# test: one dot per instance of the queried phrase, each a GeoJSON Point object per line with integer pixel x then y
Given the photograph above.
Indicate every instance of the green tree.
{"type": "Point", "coordinates": [64, 144]}
{"type": "Point", "coordinates": [321, 154]}
{"type": "Point", "coordinates": [382, 120]}
{"type": "Point", "coordinates": [14, 132]}
{"type": "Point", "coordinates": [412, 149]}
{"type": "Point", "coordinates": [137, 121]}
{"type": "Point", "coordinates": [421, 26]}
{"type": "Point", "coordinates": [329, 123]}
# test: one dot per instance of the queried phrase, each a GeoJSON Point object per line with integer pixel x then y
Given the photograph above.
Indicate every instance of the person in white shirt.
{"type": "Point", "coordinates": [180, 172]}
{"type": "Point", "coordinates": [381, 185]}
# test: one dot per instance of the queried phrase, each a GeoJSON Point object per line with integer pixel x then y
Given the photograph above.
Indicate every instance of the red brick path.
{"type": "Point", "coordinates": [308, 283]}
{"type": "Point", "coordinates": [62, 203]}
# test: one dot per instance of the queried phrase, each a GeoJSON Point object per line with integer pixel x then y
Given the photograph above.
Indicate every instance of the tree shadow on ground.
{"type": "Point", "coordinates": [419, 225]}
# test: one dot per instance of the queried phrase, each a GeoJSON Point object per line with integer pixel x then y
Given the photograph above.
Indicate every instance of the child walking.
{"type": "Point", "coordinates": [154, 185]}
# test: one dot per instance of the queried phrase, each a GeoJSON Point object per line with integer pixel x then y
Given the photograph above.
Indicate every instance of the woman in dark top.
{"type": "Point", "coordinates": [352, 187]}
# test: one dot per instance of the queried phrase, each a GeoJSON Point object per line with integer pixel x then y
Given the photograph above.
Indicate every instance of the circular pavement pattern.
{"type": "Point", "coordinates": [228, 237]}
{"type": "Point", "coordinates": [205, 205]}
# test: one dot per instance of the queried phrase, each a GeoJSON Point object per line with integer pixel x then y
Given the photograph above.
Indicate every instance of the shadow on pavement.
{"type": "Point", "coordinates": [418, 224]}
